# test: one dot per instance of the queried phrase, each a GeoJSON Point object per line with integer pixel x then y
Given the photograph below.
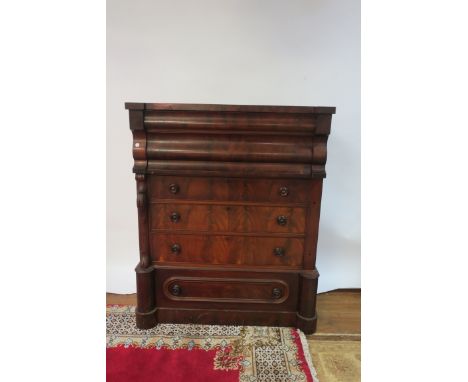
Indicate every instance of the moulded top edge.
{"type": "Point", "coordinates": [231, 108]}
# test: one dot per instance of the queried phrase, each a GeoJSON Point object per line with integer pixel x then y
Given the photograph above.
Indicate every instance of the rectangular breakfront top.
{"type": "Point", "coordinates": [233, 108]}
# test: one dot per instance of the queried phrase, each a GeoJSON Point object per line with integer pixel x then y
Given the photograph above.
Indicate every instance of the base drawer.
{"type": "Point", "coordinates": [213, 289]}
{"type": "Point", "coordinates": [199, 289]}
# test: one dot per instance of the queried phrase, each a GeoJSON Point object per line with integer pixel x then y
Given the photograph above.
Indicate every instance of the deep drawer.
{"type": "Point", "coordinates": [227, 250]}
{"type": "Point", "coordinates": [227, 218]}
{"type": "Point", "coordinates": [232, 290]}
{"type": "Point", "coordinates": [230, 189]}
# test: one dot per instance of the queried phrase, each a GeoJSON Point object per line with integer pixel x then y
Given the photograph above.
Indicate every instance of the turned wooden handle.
{"type": "Point", "coordinates": [176, 248]}
{"type": "Point", "coordinates": [276, 293]}
{"type": "Point", "coordinates": [282, 220]}
{"type": "Point", "coordinates": [173, 188]}
{"type": "Point", "coordinates": [176, 290]}
{"type": "Point", "coordinates": [279, 251]}
{"type": "Point", "coordinates": [175, 217]}
{"type": "Point", "coordinates": [284, 191]}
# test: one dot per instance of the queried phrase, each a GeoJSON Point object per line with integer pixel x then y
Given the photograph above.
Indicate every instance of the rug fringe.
{"type": "Point", "coordinates": [307, 356]}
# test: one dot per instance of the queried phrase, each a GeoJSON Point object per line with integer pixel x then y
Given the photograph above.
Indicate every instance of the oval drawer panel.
{"type": "Point", "coordinates": [227, 250]}
{"type": "Point", "coordinates": [227, 218]}
{"type": "Point", "coordinates": [231, 189]}
{"type": "Point", "coordinates": [239, 290]}
{"type": "Point", "coordinates": [226, 289]}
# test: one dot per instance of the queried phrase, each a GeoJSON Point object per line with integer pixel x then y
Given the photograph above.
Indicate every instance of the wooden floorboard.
{"type": "Point", "coordinates": [339, 313]}
{"type": "Point", "coordinates": [124, 299]}
{"type": "Point", "coordinates": [335, 347]}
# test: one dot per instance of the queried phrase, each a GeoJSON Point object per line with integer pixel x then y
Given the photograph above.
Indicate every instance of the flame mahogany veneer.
{"type": "Point", "coordinates": [228, 202]}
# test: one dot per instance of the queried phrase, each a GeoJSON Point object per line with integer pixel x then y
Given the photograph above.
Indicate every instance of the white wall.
{"type": "Point", "coordinates": [237, 52]}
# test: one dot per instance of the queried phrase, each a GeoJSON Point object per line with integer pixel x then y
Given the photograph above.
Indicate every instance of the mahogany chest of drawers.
{"type": "Point", "coordinates": [228, 204]}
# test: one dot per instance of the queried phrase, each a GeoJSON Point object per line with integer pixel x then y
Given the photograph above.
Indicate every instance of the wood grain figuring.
{"type": "Point", "coordinates": [275, 191]}
{"type": "Point", "coordinates": [230, 108]}
{"type": "Point", "coordinates": [228, 201]}
{"type": "Point", "coordinates": [234, 148]}
{"type": "Point", "coordinates": [143, 225]}
{"type": "Point", "coordinates": [227, 218]}
{"type": "Point", "coordinates": [238, 291]}
{"type": "Point", "coordinates": [312, 225]}
{"type": "Point", "coordinates": [223, 316]}
{"type": "Point", "coordinates": [220, 249]}
{"type": "Point", "coordinates": [236, 169]}
{"type": "Point", "coordinates": [270, 122]}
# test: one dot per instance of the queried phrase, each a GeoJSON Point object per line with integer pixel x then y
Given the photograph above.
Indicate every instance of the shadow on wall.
{"type": "Point", "coordinates": [338, 259]}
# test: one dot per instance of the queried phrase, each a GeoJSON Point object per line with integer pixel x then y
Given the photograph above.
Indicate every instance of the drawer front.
{"type": "Point", "coordinates": [231, 290]}
{"type": "Point", "coordinates": [233, 147]}
{"type": "Point", "coordinates": [227, 250]}
{"type": "Point", "coordinates": [227, 218]}
{"type": "Point", "coordinates": [226, 189]}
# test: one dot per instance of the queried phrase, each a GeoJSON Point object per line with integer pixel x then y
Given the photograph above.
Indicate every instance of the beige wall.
{"type": "Point", "coordinates": [239, 52]}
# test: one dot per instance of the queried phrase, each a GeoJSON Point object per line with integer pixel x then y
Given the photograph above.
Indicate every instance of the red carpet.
{"type": "Point", "coordinates": [208, 353]}
{"type": "Point", "coordinates": [149, 365]}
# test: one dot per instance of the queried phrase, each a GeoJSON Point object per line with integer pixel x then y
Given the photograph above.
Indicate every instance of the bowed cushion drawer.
{"type": "Point", "coordinates": [227, 218]}
{"type": "Point", "coordinates": [231, 189]}
{"type": "Point", "coordinates": [227, 250]}
{"type": "Point", "coordinates": [302, 121]}
{"type": "Point", "coordinates": [231, 148]}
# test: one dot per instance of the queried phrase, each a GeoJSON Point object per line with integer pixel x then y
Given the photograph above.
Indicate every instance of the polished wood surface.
{"type": "Point", "coordinates": [235, 290]}
{"type": "Point", "coordinates": [232, 148]}
{"type": "Point", "coordinates": [227, 218]}
{"type": "Point", "coordinates": [190, 188]}
{"type": "Point", "coordinates": [228, 201]}
{"type": "Point", "coordinates": [223, 249]}
{"type": "Point", "coordinates": [234, 169]}
{"type": "Point", "coordinates": [231, 108]}
{"type": "Point", "coordinates": [227, 290]}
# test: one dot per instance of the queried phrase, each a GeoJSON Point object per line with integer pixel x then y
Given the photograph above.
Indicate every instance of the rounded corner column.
{"type": "Point", "coordinates": [146, 309]}
{"type": "Point", "coordinates": [306, 316]}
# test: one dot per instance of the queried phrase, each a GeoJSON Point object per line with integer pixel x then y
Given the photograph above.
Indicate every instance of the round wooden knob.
{"type": "Point", "coordinates": [282, 220]}
{"type": "Point", "coordinates": [173, 188]}
{"type": "Point", "coordinates": [276, 293]}
{"type": "Point", "coordinates": [284, 191]}
{"type": "Point", "coordinates": [279, 251]}
{"type": "Point", "coordinates": [176, 290]}
{"type": "Point", "coordinates": [176, 248]}
{"type": "Point", "coordinates": [175, 217]}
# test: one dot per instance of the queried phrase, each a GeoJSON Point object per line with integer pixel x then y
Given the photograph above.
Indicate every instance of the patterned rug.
{"type": "Point", "coordinates": [208, 353]}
